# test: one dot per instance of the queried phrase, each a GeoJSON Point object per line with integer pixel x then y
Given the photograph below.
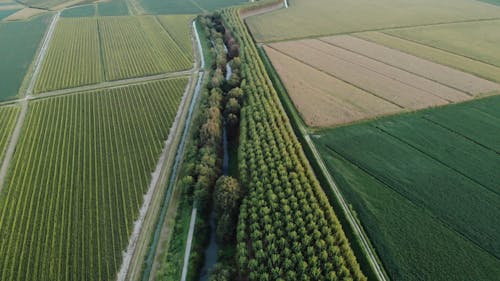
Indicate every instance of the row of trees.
{"type": "Point", "coordinates": [287, 229]}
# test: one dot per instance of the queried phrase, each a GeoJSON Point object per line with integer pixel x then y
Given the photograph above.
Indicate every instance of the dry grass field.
{"type": "Point", "coordinates": [343, 79]}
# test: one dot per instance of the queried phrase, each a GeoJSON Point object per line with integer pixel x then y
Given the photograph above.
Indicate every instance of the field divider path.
{"type": "Point", "coordinates": [378, 269]}
{"type": "Point", "coordinates": [189, 243]}
{"type": "Point", "coordinates": [9, 152]}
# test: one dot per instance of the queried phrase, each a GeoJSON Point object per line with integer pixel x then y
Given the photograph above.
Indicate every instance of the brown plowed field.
{"type": "Point", "coordinates": [381, 85]}
{"type": "Point", "coordinates": [440, 73]}
{"type": "Point", "coordinates": [323, 100]}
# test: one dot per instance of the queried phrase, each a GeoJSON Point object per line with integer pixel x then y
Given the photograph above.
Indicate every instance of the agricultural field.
{"type": "Point", "coordinates": [112, 8]}
{"type": "Point", "coordinates": [80, 11]}
{"type": "Point", "coordinates": [19, 44]}
{"type": "Point", "coordinates": [476, 40]}
{"type": "Point", "coordinates": [73, 58]}
{"type": "Point", "coordinates": [77, 179]}
{"type": "Point", "coordinates": [177, 27]}
{"type": "Point", "coordinates": [6, 13]}
{"type": "Point", "coordinates": [186, 7]}
{"type": "Point", "coordinates": [91, 50]}
{"type": "Point", "coordinates": [398, 173]}
{"type": "Point", "coordinates": [353, 79]}
{"type": "Point", "coordinates": [313, 18]}
{"type": "Point", "coordinates": [8, 117]}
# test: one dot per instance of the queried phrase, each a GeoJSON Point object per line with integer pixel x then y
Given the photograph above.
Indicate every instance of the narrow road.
{"type": "Point", "coordinates": [358, 231]}
{"type": "Point", "coordinates": [24, 101]}
{"type": "Point", "coordinates": [189, 242]}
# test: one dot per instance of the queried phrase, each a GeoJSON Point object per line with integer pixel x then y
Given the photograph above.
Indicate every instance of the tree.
{"type": "Point", "coordinates": [226, 198]}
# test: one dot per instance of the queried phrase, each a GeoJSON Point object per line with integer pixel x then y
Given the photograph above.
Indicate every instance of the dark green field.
{"type": "Point", "coordinates": [18, 46]}
{"type": "Point", "coordinates": [186, 6]}
{"type": "Point", "coordinates": [80, 11]}
{"type": "Point", "coordinates": [426, 188]}
{"type": "Point", "coordinates": [6, 13]}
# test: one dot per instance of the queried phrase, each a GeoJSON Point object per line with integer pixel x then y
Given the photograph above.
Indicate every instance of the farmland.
{"type": "Point", "coordinates": [8, 116]}
{"type": "Point", "coordinates": [313, 18]}
{"type": "Point", "coordinates": [18, 46]}
{"type": "Point", "coordinates": [476, 40]}
{"type": "Point", "coordinates": [178, 26]}
{"type": "Point", "coordinates": [91, 50]}
{"type": "Point", "coordinates": [410, 164]}
{"type": "Point", "coordinates": [77, 179]}
{"type": "Point", "coordinates": [186, 7]}
{"type": "Point", "coordinates": [358, 79]}
{"type": "Point", "coordinates": [81, 11]}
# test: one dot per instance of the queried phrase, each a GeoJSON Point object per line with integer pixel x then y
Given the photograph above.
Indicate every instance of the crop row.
{"type": "Point", "coordinates": [177, 27]}
{"type": "Point", "coordinates": [287, 228]}
{"type": "Point", "coordinates": [73, 58]}
{"type": "Point", "coordinates": [86, 51]}
{"type": "Point", "coordinates": [8, 116]}
{"type": "Point", "coordinates": [77, 180]}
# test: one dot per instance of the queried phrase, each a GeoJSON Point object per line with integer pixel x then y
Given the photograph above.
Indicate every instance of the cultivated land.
{"type": "Point", "coordinates": [68, 211]}
{"type": "Point", "coordinates": [92, 50]}
{"type": "Point", "coordinates": [472, 66]}
{"type": "Point", "coordinates": [178, 27]}
{"type": "Point", "coordinates": [25, 14]}
{"type": "Point", "coordinates": [8, 116]}
{"type": "Point", "coordinates": [20, 41]}
{"type": "Point", "coordinates": [399, 172]}
{"type": "Point", "coordinates": [312, 18]}
{"type": "Point", "coordinates": [323, 100]}
{"type": "Point", "coordinates": [186, 7]}
{"type": "Point", "coordinates": [476, 40]}
{"type": "Point", "coordinates": [81, 11]}
{"type": "Point", "coordinates": [358, 79]}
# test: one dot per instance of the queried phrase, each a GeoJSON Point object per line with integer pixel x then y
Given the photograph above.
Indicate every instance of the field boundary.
{"type": "Point", "coordinates": [302, 132]}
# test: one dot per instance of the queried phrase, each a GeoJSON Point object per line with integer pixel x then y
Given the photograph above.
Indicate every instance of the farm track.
{"type": "Point", "coordinates": [9, 152]}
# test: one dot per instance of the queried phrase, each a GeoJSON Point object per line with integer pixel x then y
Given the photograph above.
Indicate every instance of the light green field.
{"type": "Point", "coordinates": [475, 67]}
{"type": "Point", "coordinates": [77, 178]}
{"type": "Point", "coordinates": [476, 40]}
{"type": "Point", "coordinates": [87, 51]}
{"type": "Point", "coordinates": [178, 26]}
{"type": "Point", "coordinates": [312, 18]}
{"type": "Point", "coordinates": [8, 116]}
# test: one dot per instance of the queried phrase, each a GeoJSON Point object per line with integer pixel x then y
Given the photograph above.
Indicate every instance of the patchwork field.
{"type": "Point", "coordinates": [81, 11]}
{"type": "Point", "coordinates": [313, 18]}
{"type": "Point", "coordinates": [8, 116]}
{"type": "Point", "coordinates": [20, 41]}
{"type": "Point", "coordinates": [398, 173]}
{"type": "Point", "coordinates": [90, 50]}
{"type": "Point", "coordinates": [6, 13]}
{"type": "Point", "coordinates": [77, 179]}
{"type": "Point", "coordinates": [358, 79]}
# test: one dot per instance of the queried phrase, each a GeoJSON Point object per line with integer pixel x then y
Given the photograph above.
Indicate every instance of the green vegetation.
{"type": "Point", "coordinates": [77, 180]}
{"type": "Point", "coordinates": [8, 117]}
{"type": "Point", "coordinates": [112, 8]}
{"type": "Point", "coordinates": [287, 228]}
{"type": "Point", "coordinates": [426, 188]}
{"type": "Point", "coordinates": [478, 68]}
{"type": "Point", "coordinates": [186, 7]}
{"type": "Point", "coordinates": [80, 11]}
{"type": "Point", "coordinates": [43, 4]}
{"type": "Point", "coordinates": [178, 26]}
{"type": "Point", "coordinates": [20, 41]}
{"type": "Point", "coordinates": [476, 40]}
{"type": "Point", "coordinates": [6, 13]}
{"type": "Point", "coordinates": [139, 46]}
{"type": "Point", "coordinates": [73, 57]}
{"type": "Point", "coordinates": [91, 50]}
{"type": "Point", "coordinates": [312, 18]}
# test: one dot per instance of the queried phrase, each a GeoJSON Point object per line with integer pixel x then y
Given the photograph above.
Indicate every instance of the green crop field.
{"type": "Point", "coordinates": [426, 187]}
{"type": "Point", "coordinates": [472, 66]}
{"type": "Point", "coordinates": [91, 50]}
{"type": "Point", "coordinates": [18, 45]}
{"type": "Point", "coordinates": [312, 18]}
{"type": "Point", "coordinates": [43, 4]}
{"type": "Point", "coordinates": [8, 116]}
{"type": "Point", "coordinates": [6, 13]}
{"type": "Point", "coordinates": [476, 40]}
{"type": "Point", "coordinates": [73, 58]}
{"type": "Point", "coordinates": [139, 46]}
{"type": "Point", "coordinates": [179, 27]}
{"type": "Point", "coordinates": [77, 179]}
{"type": "Point", "coordinates": [112, 8]}
{"type": "Point", "coordinates": [80, 11]}
{"type": "Point", "coordinates": [186, 7]}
